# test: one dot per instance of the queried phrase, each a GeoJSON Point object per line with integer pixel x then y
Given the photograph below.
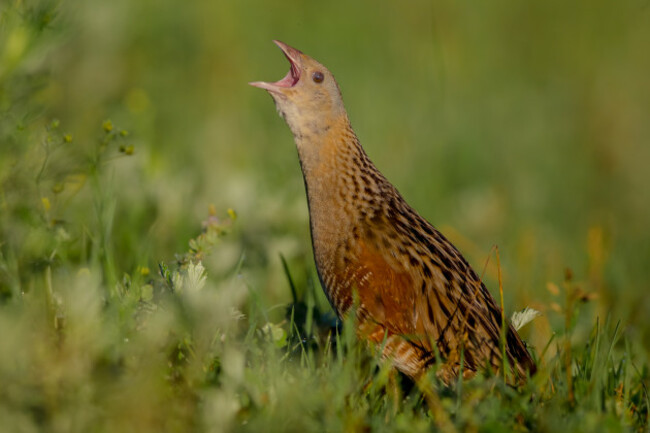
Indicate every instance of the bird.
{"type": "Point", "coordinates": [413, 294]}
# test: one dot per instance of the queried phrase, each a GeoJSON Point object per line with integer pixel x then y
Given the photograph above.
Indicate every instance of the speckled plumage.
{"type": "Point", "coordinates": [418, 298]}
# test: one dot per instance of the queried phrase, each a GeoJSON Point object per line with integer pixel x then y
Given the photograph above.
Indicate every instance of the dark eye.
{"type": "Point", "coordinates": [318, 77]}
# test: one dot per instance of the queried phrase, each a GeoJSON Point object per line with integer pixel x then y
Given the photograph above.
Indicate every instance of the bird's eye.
{"type": "Point", "coordinates": [318, 77]}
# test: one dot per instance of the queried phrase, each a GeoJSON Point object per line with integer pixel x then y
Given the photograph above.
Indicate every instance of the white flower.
{"type": "Point", "coordinates": [191, 280]}
{"type": "Point", "coordinates": [521, 318]}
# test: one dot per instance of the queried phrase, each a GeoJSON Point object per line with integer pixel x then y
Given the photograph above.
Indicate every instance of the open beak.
{"type": "Point", "coordinates": [292, 77]}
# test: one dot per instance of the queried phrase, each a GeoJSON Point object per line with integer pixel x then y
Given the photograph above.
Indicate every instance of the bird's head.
{"type": "Point", "coordinates": [308, 97]}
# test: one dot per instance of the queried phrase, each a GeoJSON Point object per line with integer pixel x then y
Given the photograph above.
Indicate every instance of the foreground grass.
{"type": "Point", "coordinates": [176, 353]}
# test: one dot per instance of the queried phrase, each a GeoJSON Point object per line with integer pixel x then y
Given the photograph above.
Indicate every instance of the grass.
{"type": "Point", "coordinates": [120, 310]}
{"type": "Point", "coordinates": [175, 352]}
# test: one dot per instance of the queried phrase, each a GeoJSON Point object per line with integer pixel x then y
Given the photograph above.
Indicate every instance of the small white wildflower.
{"type": "Point", "coordinates": [191, 280]}
{"type": "Point", "coordinates": [523, 317]}
{"type": "Point", "coordinates": [196, 277]}
{"type": "Point", "coordinates": [236, 314]}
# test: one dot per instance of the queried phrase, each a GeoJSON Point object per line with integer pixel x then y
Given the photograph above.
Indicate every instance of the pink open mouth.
{"type": "Point", "coordinates": [292, 77]}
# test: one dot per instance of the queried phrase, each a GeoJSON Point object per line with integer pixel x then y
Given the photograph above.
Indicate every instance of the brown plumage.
{"type": "Point", "coordinates": [418, 298]}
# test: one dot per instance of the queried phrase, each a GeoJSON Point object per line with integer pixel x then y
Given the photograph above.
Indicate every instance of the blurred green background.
{"type": "Point", "coordinates": [519, 124]}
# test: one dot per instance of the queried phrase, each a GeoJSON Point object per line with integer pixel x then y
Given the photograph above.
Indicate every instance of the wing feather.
{"type": "Point", "coordinates": [438, 307]}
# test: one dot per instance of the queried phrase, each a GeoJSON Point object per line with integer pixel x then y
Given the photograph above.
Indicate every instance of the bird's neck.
{"type": "Point", "coordinates": [323, 149]}
{"type": "Point", "coordinates": [338, 177]}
